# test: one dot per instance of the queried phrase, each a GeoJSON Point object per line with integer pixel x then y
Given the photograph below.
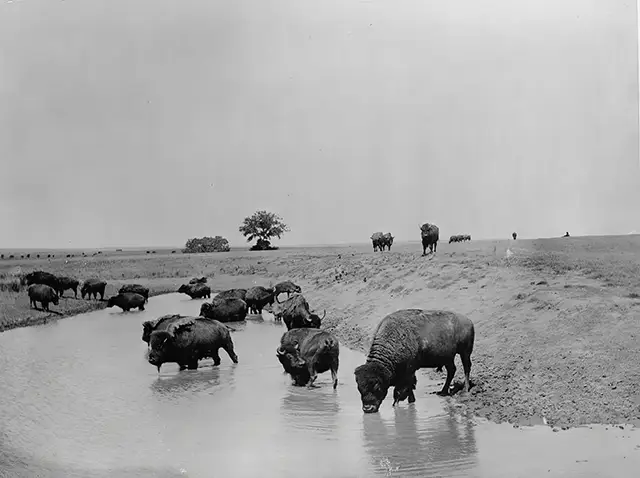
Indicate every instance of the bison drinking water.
{"type": "Point", "coordinates": [136, 288]}
{"type": "Point", "coordinates": [42, 293]}
{"type": "Point", "coordinates": [196, 291]}
{"type": "Point", "coordinates": [406, 341]}
{"type": "Point", "coordinates": [93, 287]}
{"type": "Point", "coordinates": [189, 339]}
{"type": "Point", "coordinates": [296, 314]}
{"type": "Point", "coordinates": [127, 301]}
{"type": "Point", "coordinates": [225, 310]}
{"type": "Point", "coordinates": [304, 353]}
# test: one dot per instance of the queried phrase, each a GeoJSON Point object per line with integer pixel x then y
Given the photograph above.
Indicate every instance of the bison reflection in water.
{"type": "Point", "coordinates": [413, 445]}
{"type": "Point", "coordinates": [208, 379]}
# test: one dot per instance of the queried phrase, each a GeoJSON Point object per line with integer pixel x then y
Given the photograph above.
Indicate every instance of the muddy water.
{"type": "Point", "coordinates": [78, 399]}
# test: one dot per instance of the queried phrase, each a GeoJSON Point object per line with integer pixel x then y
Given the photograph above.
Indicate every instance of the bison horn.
{"type": "Point", "coordinates": [324, 315]}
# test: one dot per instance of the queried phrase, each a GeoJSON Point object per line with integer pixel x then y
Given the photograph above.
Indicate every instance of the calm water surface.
{"type": "Point", "coordinates": [78, 399]}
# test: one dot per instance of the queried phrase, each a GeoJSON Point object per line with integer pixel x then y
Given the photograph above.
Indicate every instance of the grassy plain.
{"type": "Point", "coordinates": [557, 320]}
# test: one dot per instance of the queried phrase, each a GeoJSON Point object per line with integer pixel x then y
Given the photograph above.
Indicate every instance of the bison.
{"type": "Point", "coordinates": [198, 280]}
{"type": "Point", "coordinates": [232, 294]}
{"type": "Point", "coordinates": [406, 341]}
{"type": "Point", "coordinates": [386, 241]}
{"type": "Point", "coordinates": [258, 297]}
{"type": "Point", "coordinates": [127, 301]}
{"type": "Point", "coordinates": [225, 310]}
{"type": "Point", "coordinates": [514, 235]}
{"type": "Point", "coordinates": [296, 314]}
{"type": "Point", "coordinates": [287, 287]}
{"type": "Point", "coordinates": [137, 289]}
{"type": "Point", "coordinates": [42, 293]}
{"type": "Point", "coordinates": [430, 236]}
{"type": "Point", "coordinates": [161, 323]}
{"type": "Point", "coordinates": [40, 277]}
{"type": "Point", "coordinates": [196, 291]}
{"type": "Point", "coordinates": [93, 287]}
{"type": "Point", "coordinates": [304, 353]}
{"type": "Point", "coordinates": [455, 238]}
{"type": "Point", "coordinates": [376, 240]}
{"type": "Point", "coordinates": [65, 283]}
{"type": "Point", "coordinates": [188, 340]}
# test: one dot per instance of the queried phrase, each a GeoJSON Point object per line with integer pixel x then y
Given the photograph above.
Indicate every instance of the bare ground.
{"type": "Point", "coordinates": [557, 320]}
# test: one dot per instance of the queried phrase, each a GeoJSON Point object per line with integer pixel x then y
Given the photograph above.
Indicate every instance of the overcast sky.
{"type": "Point", "coordinates": [145, 122]}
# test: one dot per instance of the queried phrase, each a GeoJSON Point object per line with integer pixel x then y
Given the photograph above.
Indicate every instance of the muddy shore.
{"type": "Point", "coordinates": [556, 329]}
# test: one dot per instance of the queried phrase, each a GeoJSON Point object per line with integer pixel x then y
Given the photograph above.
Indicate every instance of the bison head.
{"type": "Point", "coordinates": [315, 320]}
{"type": "Point", "coordinates": [162, 342]}
{"type": "Point", "coordinates": [373, 384]}
{"type": "Point", "coordinates": [112, 301]}
{"type": "Point", "coordinates": [205, 309]}
{"type": "Point", "coordinates": [147, 328]}
{"type": "Point", "coordinates": [293, 363]}
{"type": "Point", "coordinates": [55, 299]}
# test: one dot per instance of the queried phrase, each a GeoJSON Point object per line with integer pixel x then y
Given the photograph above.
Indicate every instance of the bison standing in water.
{"type": "Point", "coordinates": [196, 291]}
{"type": "Point", "coordinates": [258, 297]}
{"type": "Point", "coordinates": [42, 293]}
{"type": "Point", "coordinates": [304, 353]}
{"type": "Point", "coordinates": [225, 310]}
{"type": "Point", "coordinates": [296, 314]}
{"type": "Point", "coordinates": [430, 235]}
{"type": "Point", "coordinates": [189, 339]}
{"type": "Point", "coordinates": [287, 287]}
{"type": "Point", "coordinates": [161, 323]}
{"type": "Point", "coordinates": [137, 289]}
{"type": "Point", "coordinates": [65, 283]}
{"type": "Point", "coordinates": [93, 287]}
{"type": "Point", "coordinates": [406, 341]}
{"type": "Point", "coordinates": [127, 301]}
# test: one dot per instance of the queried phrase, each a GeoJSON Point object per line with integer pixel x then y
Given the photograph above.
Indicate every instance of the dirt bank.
{"type": "Point", "coordinates": [556, 322]}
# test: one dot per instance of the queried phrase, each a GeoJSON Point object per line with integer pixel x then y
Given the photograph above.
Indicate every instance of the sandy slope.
{"type": "Point", "coordinates": [557, 321]}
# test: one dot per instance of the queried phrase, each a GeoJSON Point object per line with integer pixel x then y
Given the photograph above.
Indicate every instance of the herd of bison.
{"type": "Point", "coordinates": [403, 342]}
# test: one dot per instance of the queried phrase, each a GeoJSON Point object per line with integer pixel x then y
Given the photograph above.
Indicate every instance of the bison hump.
{"type": "Point", "coordinates": [181, 324]}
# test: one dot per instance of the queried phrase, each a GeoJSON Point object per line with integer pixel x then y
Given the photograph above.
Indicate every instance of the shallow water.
{"type": "Point", "coordinates": [80, 400]}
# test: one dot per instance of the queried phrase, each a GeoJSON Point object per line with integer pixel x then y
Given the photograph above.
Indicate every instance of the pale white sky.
{"type": "Point", "coordinates": [151, 121]}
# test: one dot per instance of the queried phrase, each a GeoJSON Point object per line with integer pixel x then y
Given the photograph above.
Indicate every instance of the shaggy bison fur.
{"type": "Point", "coordinates": [232, 294]}
{"type": "Point", "coordinates": [65, 283]}
{"type": "Point", "coordinates": [161, 323]}
{"type": "Point", "coordinates": [136, 288]}
{"type": "Point", "coordinates": [40, 277]}
{"type": "Point", "coordinates": [296, 314]}
{"type": "Point", "coordinates": [93, 287]}
{"type": "Point", "coordinates": [188, 340]}
{"type": "Point", "coordinates": [287, 287]}
{"type": "Point", "coordinates": [258, 297]}
{"type": "Point", "coordinates": [42, 293]}
{"type": "Point", "coordinates": [406, 341]}
{"type": "Point", "coordinates": [225, 310]}
{"type": "Point", "coordinates": [196, 291]}
{"type": "Point", "coordinates": [304, 353]}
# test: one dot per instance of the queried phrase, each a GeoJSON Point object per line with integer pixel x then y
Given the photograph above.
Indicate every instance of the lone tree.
{"type": "Point", "coordinates": [263, 226]}
{"type": "Point", "coordinates": [206, 244]}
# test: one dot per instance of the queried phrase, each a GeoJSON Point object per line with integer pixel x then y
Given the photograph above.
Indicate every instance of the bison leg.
{"type": "Point", "coordinates": [182, 366]}
{"type": "Point", "coordinates": [216, 357]}
{"type": "Point", "coordinates": [228, 347]}
{"type": "Point", "coordinates": [334, 377]}
{"type": "Point", "coordinates": [45, 306]}
{"type": "Point", "coordinates": [75, 293]}
{"type": "Point", "coordinates": [451, 371]}
{"type": "Point", "coordinates": [141, 307]}
{"type": "Point", "coordinates": [466, 364]}
{"type": "Point", "coordinates": [193, 365]}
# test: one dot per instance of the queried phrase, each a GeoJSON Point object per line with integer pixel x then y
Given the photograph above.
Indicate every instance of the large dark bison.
{"type": "Point", "coordinates": [42, 293]}
{"type": "Point", "coordinates": [386, 241]}
{"type": "Point", "coordinates": [188, 340]}
{"type": "Point", "coordinates": [65, 283]}
{"type": "Point", "coordinates": [258, 297]}
{"type": "Point", "coordinates": [376, 240]}
{"type": "Point", "coordinates": [232, 294]}
{"type": "Point", "coordinates": [127, 301]}
{"type": "Point", "coordinates": [225, 310]}
{"type": "Point", "coordinates": [455, 238]}
{"type": "Point", "coordinates": [514, 235]}
{"type": "Point", "coordinates": [161, 323]}
{"type": "Point", "coordinates": [304, 353]}
{"type": "Point", "coordinates": [196, 291]}
{"type": "Point", "coordinates": [93, 287]}
{"type": "Point", "coordinates": [287, 287]}
{"type": "Point", "coordinates": [198, 280]}
{"type": "Point", "coordinates": [296, 314]}
{"type": "Point", "coordinates": [137, 289]}
{"type": "Point", "coordinates": [430, 234]}
{"type": "Point", "coordinates": [40, 277]}
{"type": "Point", "coordinates": [406, 341]}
